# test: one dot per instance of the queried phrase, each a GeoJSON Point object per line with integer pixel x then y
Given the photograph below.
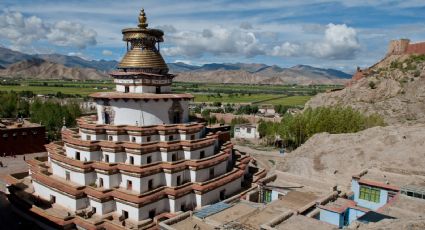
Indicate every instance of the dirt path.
{"type": "Point", "coordinates": [265, 159]}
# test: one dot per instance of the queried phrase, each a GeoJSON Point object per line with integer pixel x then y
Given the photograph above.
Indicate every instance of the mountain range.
{"type": "Point", "coordinates": [14, 64]}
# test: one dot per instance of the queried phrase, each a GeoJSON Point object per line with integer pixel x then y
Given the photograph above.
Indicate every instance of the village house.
{"type": "Point", "coordinates": [246, 131]}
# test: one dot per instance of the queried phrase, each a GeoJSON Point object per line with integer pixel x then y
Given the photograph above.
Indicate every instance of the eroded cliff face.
{"type": "Point", "coordinates": [393, 88]}
{"type": "Point", "coordinates": [334, 158]}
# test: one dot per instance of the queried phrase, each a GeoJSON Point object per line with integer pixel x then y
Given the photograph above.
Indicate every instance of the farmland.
{"type": "Point", "coordinates": [291, 95]}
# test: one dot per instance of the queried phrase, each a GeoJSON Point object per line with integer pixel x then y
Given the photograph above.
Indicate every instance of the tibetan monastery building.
{"type": "Point", "coordinates": [139, 160]}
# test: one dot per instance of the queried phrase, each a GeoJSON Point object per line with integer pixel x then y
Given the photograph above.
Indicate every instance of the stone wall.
{"type": "Point", "coordinates": [403, 46]}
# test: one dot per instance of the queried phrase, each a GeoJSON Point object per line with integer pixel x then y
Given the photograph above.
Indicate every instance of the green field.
{"type": "Point", "coordinates": [290, 101]}
{"type": "Point", "coordinates": [51, 90]}
{"type": "Point", "coordinates": [233, 98]}
{"type": "Point", "coordinates": [291, 95]}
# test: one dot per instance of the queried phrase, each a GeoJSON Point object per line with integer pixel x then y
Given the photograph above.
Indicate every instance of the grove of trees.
{"type": "Point", "coordinates": [297, 129]}
{"type": "Point", "coordinates": [52, 115]}
{"type": "Point", "coordinates": [48, 113]}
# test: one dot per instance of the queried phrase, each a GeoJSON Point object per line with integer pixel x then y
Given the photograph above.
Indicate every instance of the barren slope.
{"type": "Point", "coordinates": [287, 76]}
{"type": "Point", "coordinates": [334, 158]}
{"type": "Point", "coordinates": [40, 69]}
{"type": "Point", "coordinates": [397, 93]}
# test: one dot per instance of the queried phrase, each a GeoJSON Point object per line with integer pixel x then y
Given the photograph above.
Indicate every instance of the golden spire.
{"type": "Point", "coordinates": [142, 19]}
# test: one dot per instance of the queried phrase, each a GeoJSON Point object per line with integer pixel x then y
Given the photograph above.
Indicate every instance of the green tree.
{"type": "Point", "coordinates": [295, 130]}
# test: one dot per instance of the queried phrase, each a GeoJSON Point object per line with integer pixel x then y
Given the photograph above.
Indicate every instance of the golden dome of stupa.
{"type": "Point", "coordinates": [143, 53]}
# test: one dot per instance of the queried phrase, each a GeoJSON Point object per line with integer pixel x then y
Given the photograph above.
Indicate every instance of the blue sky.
{"type": "Point", "coordinates": [322, 33]}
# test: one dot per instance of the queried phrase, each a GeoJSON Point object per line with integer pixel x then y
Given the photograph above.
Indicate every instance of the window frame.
{"type": "Point", "coordinates": [370, 194]}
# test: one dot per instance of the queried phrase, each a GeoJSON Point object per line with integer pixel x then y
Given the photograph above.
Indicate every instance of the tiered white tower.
{"type": "Point", "coordinates": [140, 158]}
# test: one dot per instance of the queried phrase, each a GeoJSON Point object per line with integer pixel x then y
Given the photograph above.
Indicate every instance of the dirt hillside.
{"type": "Point", "coordinates": [334, 158]}
{"type": "Point", "coordinates": [394, 88]}
{"type": "Point", "coordinates": [40, 69]}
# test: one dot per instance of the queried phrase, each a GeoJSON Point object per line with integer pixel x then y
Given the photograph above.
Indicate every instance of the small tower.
{"type": "Point", "coordinates": [143, 85]}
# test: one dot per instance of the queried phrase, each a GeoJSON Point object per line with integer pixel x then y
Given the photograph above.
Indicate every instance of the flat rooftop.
{"type": "Point", "coordinates": [262, 216]}
{"type": "Point", "coordinates": [192, 223]}
{"type": "Point", "coordinates": [405, 207]}
{"type": "Point", "coordinates": [301, 222]}
{"type": "Point", "coordinates": [237, 211]}
{"type": "Point", "coordinates": [340, 205]}
{"type": "Point", "coordinates": [14, 124]}
{"type": "Point", "coordinates": [397, 179]}
{"type": "Point", "coordinates": [295, 200]}
{"type": "Point", "coordinates": [293, 182]}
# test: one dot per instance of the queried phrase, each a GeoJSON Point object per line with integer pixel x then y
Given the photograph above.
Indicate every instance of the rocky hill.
{"type": "Point", "coordinates": [41, 69]}
{"type": "Point", "coordinates": [393, 88]}
{"type": "Point", "coordinates": [334, 158]}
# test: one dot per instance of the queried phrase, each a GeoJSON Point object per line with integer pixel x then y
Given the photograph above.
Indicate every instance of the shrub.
{"type": "Point", "coordinates": [295, 130]}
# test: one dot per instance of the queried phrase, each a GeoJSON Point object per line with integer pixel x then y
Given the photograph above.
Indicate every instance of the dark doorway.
{"type": "Point", "coordinates": [179, 180]}
{"type": "Point", "coordinates": [176, 117]}
{"type": "Point", "coordinates": [125, 214]}
{"type": "Point", "coordinates": [127, 89]}
{"type": "Point", "coordinates": [211, 173]}
{"type": "Point", "coordinates": [107, 118]}
{"type": "Point", "coordinates": [152, 214]}
{"type": "Point", "coordinates": [67, 175]}
{"type": "Point", "coordinates": [158, 89]}
{"type": "Point", "coordinates": [129, 185]}
{"type": "Point", "coordinates": [100, 182]}
{"type": "Point", "coordinates": [223, 194]}
{"type": "Point", "coordinates": [52, 199]}
{"type": "Point", "coordinates": [150, 184]}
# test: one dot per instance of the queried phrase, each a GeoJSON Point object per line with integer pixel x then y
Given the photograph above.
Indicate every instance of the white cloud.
{"type": "Point", "coordinates": [218, 41]}
{"type": "Point", "coordinates": [78, 54]}
{"type": "Point", "coordinates": [246, 26]}
{"type": "Point", "coordinates": [22, 31]}
{"type": "Point", "coordinates": [286, 50]}
{"type": "Point", "coordinates": [107, 53]}
{"type": "Point", "coordinates": [66, 33]}
{"type": "Point", "coordinates": [339, 42]}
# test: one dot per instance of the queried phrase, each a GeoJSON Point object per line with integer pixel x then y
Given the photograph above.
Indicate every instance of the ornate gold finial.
{"type": "Point", "coordinates": [142, 19]}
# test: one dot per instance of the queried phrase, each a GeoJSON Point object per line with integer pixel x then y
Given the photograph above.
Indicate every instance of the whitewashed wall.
{"type": "Point", "coordinates": [61, 199]}
{"type": "Point", "coordinates": [142, 113]}
{"type": "Point", "coordinates": [109, 181]}
{"type": "Point", "coordinates": [243, 132]}
{"type": "Point", "coordinates": [76, 177]}
{"type": "Point", "coordinates": [188, 200]}
{"type": "Point", "coordinates": [204, 174]}
{"type": "Point", "coordinates": [195, 154]}
{"type": "Point", "coordinates": [84, 155]}
{"type": "Point", "coordinates": [143, 89]}
{"type": "Point", "coordinates": [103, 208]}
{"type": "Point", "coordinates": [214, 195]}
{"type": "Point", "coordinates": [114, 157]}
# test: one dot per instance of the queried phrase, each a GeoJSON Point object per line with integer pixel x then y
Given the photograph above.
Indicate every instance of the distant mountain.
{"type": "Point", "coordinates": [329, 72]}
{"type": "Point", "coordinates": [8, 57]}
{"type": "Point", "coordinates": [56, 66]}
{"type": "Point", "coordinates": [178, 67]}
{"type": "Point", "coordinates": [261, 74]}
{"type": "Point", "coordinates": [41, 69]}
{"type": "Point", "coordinates": [75, 61]}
